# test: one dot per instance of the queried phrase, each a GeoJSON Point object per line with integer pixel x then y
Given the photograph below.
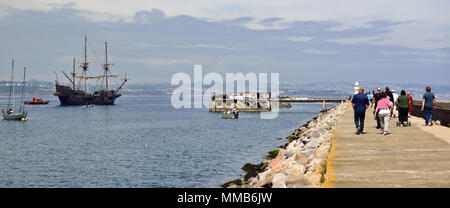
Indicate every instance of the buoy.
{"type": "Point", "coordinates": [24, 119]}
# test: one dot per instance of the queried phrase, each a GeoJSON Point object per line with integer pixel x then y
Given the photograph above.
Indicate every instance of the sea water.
{"type": "Point", "coordinates": [141, 141]}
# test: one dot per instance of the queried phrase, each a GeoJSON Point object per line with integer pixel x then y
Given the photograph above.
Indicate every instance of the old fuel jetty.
{"type": "Point", "coordinates": [260, 102]}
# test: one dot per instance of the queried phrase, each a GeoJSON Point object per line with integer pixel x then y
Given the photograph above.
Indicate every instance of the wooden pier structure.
{"type": "Point", "coordinates": [260, 102]}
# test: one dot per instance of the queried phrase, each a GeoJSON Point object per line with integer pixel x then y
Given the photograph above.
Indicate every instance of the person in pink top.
{"type": "Point", "coordinates": [384, 112]}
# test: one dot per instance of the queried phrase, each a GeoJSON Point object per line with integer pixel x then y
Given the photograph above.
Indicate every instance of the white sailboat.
{"type": "Point", "coordinates": [9, 113]}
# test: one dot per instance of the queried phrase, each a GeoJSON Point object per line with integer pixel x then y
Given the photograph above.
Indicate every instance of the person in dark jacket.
{"type": "Point", "coordinates": [360, 103]}
{"type": "Point", "coordinates": [377, 96]}
{"type": "Point", "coordinates": [403, 107]}
{"type": "Point", "coordinates": [391, 98]}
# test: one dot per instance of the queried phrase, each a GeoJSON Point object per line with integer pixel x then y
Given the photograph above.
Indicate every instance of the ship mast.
{"type": "Point", "coordinates": [73, 74]}
{"type": "Point", "coordinates": [106, 67]}
{"type": "Point", "coordinates": [84, 65]}
{"type": "Point", "coordinates": [123, 83]}
{"type": "Point", "coordinates": [22, 105]}
{"type": "Point", "coordinates": [11, 88]}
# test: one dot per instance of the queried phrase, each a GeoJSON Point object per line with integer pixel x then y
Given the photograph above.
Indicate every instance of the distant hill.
{"type": "Point", "coordinates": [33, 87]}
{"type": "Point", "coordinates": [316, 89]}
{"type": "Point", "coordinates": [346, 88]}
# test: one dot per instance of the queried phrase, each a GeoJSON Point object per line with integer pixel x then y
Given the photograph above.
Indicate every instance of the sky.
{"type": "Point", "coordinates": [304, 41]}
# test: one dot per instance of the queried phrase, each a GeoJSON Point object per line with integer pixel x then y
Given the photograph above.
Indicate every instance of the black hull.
{"type": "Point", "coordinates": [68, 96]}
{"type": "Point", "coordinates": [31, 103]}
{"type": "Point", "coordinates": [36, 103]}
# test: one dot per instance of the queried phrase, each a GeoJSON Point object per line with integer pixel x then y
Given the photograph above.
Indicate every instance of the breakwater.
{"type": "Point", "coordinates": [301, 162]}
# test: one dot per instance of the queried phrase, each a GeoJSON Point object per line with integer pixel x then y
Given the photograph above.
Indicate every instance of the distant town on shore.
{"type": "Point", "coordinates": [316, 89]}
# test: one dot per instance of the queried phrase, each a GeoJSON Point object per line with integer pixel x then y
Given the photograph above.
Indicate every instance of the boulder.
{"type": "Point", "coordinates": [317, 165]}
{"type": "Point", "coordinates": [313, 178]}
{"type": "Point", "coordinates": [294, 186]}
{"type": "Point", "coordinates": [301, 159]}
{"type": "Point", "coordinates": [279, 181]}
{"type": "Point", "coordinates": [291, 138]}
{"type": "Point", "coordinates": [295, 174]}
{"type": "Point", "coordinates": [322, 152]}
{"type": "Point", "coordinates": [252, 170]}
{"type": "Point", "coordinates": [294, 148]}
{"type": "Point", "coordinates": [305, 140]}
{"type": "Point", "coordinates": [263, 179]}
{"type": "Point", "coordinates": [273, 153]}
{"type": "Point", "coordinates": [252, 181]}
{"type": "Point", "coordinates": [276, 161]}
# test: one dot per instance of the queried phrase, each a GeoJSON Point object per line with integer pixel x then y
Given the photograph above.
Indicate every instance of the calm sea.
{"type": "Point", "coordinates": [105, 146]}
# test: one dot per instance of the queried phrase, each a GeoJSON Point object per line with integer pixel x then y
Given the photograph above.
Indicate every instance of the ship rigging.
{"type": "Point", "coordinates": [74, 96]}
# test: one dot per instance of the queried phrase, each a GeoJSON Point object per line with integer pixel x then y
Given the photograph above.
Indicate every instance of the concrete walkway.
{"type": "Point", "coordinates": [407, 157]}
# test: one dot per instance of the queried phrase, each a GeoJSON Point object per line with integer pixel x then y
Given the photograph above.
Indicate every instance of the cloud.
{"type": "Point", "coordinates": [315, 51]}
{"type": "Point", "coordinates": [357, 41]}
{"type": "Point", "coordinates": [439, 54]}
{"type": "Point", "coordinates": [270, 21]}
{"type": "Point", "coordinates": [159, 62]}
{"type": "Point", "coordinates": [146, 17]}
{"type": "Point", "coordinates": [238, 21]}
{"type": "Point", "coordinates": [275, 15]}
{"type": "Point", "coordinates": [300, 39]}
{"type": "Point", "coordinates": [209, 46]}
{"type": "Point", "coordinates": [431, 61]}
{"type": "Point", "coordinates": [62, 5]}
{"type": "Point", "coordinates": [152, 44]}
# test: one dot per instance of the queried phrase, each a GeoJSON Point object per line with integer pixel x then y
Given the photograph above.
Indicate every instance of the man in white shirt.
{"type": "Point", "coordinates": [395, 96]}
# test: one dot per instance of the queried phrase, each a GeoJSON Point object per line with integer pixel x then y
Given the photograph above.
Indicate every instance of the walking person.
{"type": "Point", "coordinates": [410, 103]}
{"type": "Point", "coordinates": [376, 98]}
{"type": "Point", "coordinates": [403, 108]}
{"type": "Point", "coordinates": [395, 95]}
{"type": "Point", "coordinates": [369, 96]}
{"type": "Point", "coordinates": [360, 103]}
{"type": "Point", "coordinates": [372, 98]}
{"type": "Point", "coordinates": [383, 110]}
{"type": "Point", "coordinates": [390, 97]}
{"type": "Point", "coordinates": [428, 103]}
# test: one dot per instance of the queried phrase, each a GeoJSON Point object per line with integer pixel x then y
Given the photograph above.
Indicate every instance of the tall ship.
{"type": "Point", "coordinates": [78, 94]}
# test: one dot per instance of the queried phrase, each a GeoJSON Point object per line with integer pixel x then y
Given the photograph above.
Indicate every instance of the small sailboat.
{"type": "Point", "coordinates": [230, 113]}
{"type": "Point", "coordinates": [9, 113]}
{"type": "Point", "coordinates": [285, 105]}
{"type": "Point", "coordinates": [88, 106]}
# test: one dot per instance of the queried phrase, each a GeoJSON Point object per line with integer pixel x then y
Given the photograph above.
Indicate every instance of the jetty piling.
{"type": "Point", "coordinates": [259, 102]}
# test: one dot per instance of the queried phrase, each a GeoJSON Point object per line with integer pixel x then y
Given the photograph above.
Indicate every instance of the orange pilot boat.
{"type": "Point", "coordinates": [36, 101]}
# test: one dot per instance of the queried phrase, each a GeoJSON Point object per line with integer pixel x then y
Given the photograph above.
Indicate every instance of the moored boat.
{"type": "Point", "coordinates": [230, 113]}
{"type": "Point", "coordinates": [78, 94]}
{"type": "Point", "coordinates": [285, 105]}
{"type": "Point", "coordinates": [9, 113]}
{"type": "Point", "coordinates": [36, 101]}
